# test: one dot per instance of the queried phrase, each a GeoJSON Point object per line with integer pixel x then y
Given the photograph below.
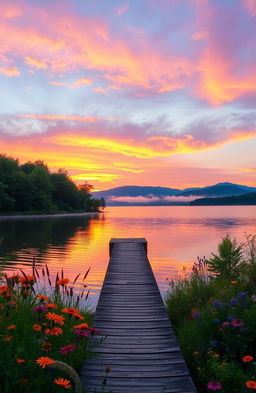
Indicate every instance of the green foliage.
{"type": "Point", "coordinates": [30, 317]}
{"type": "Point", "coordinates": [229, 263]}
{"type": "Point", "coordinates": [214, 317]}
{"type": "Point", "coordinates": [31, 188]}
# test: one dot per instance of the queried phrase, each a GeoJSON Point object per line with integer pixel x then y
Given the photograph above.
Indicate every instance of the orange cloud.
{"type": "Point", "coordinates": [81, 81]}
{"type": "Point", "coordinates": [9, 71]}
{"type": "Point", "coordinates": [41, 64]}
{"type": "Point", "coordinates": [99, 90]}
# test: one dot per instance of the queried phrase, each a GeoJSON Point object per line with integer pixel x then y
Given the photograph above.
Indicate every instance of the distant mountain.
{"type": "Point", "coordinates": [219, 190]}
{"type": "Point", "coordinates": [245, 199]}
{"type": "Point", "coordinates": [146, 195]}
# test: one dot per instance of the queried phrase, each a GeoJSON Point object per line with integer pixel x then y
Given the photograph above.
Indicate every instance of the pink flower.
{"type": "Point", "coordinates": [237, 323]}
{"type": "Point", "coordinates": [214, 386]}
{"type": "Point", "coordinates": [68, 348]}
{"type": "Point", "coordinates": [81, 332]}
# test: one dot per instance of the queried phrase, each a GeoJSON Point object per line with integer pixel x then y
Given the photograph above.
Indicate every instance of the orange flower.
{"type": "Point", "coordinates": [56, 331]}
{"type": "Point", "coordinates": [20, 360]}
{"type": "Point", "coordinates": [37, 327]}
{"type": "Point", "coordinates": [51, 305]}
{"type": "Point", "coordinates": [63, 281]}
{"type": "Point", "coordinates": [216, 355]}
{"type": "Point", "coordinates": [250, 384]}
{"type": "Point", "coordinates": [70, 310]}
{"type": "Point", "coordinates": [83, 325]}
{"type": "Point", "coordinates": [63, 382]}
{"type": "Point", "coordinates": [56, 318]}
{"type": "Point", "coordinates": [42, 297]}
{"type": "Point", "coordinates": [7, 339]}
{"type": "Point", "coordinates": [196, 353]}
{"type": "Point", "coordinates": [78, 316]}
{"type": "Point", "coordinates": [247, 359]}
{"type": "Point", "coordinates": [233, 282]}
{"type": "Point", "coordinates": [4, 289]}
{"type": "Point", "coordinates": [44, 361]}
{"type": "Point", "coordinates": [11, 327]}
{"type": "Point", "coordinates": [24, 380]}
{"type": "Point", "coordinates": [46, 347]}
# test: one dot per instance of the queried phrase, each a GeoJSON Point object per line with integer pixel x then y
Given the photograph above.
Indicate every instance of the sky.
{"type": "Point", "coordinates": [149, 92]}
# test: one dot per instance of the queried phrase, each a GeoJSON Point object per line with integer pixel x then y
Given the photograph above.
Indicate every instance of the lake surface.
{"type": "Point", "coordinates": [176, 235]}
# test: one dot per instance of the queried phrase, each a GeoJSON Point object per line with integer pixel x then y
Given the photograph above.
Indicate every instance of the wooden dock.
{"type": "Point", "coordinates": [140, 347]}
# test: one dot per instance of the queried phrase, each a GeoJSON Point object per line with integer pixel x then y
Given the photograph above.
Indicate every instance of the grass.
{"type": "Point", "coordinates": [45, 335]}
{"type": "Point", "coordinates": [214, 316]}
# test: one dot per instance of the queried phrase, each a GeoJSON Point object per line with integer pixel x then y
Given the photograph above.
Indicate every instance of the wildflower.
{"type": "Point", "coordinates": [230, 317]}
{"type": "Point", "coordinates": [68, 348]}
{"type": "Point", "coordinates": [216, 355]}
{"type": "Point", "coordinates": [233, 302]}
{"type": "Point", "coordinates": [253, 297]}
{"type": "Point", "coordinates": [56, 331]}
{"type": "Point", "coordinates": [242, 295]}
{"type": "Point", "coordinates": [250, 384]}
{"type": "Point", "coordinates": [237, 323]}
{"type": "Point", "coordinates": [63, 281]}
{"type": "Point", "coordinates": [24, 380]}
{"type": "Point", "coordinates": [83, 325]}
{"type": "Point", "coordinates": [7, 339]}
{"type": "Point", "coordinates": [247, 359]}
{"type": "Point", "coordinates": [20, 360]}
{"type": "Point", "coordinates": [81, 332]}
{"type": "Point", "coordinates": [225, 324]}
{"type": "Point", "coordinates": [233, 282]}
{"type": "Point", "coordinates": [63, 382]}
{"type": "Point", "coordinates": [5, 290]}
{"type": "Point", "coordinates": [37, 327]}
{"type": "Point", "coordinates": [70, 310]}
{"type": "Point", "coordinates": [217, 304]}
{"type": "Point", "coordinates": [196, 353]}
{"type": "Point", "coordinates": [78, 316]}
{"type": "Point", "coordinates": [43, 297]}
{"type": "Point", "coordinates": [213, 342]}
{"type": "Point", "coordinates": [108, 369]}
{"type": "Point", "coordinates": [39, 309]}
{"type": "Point", "coordinates": [50, 305]}
{"type": "Point", "coordinates": [216, 320]}
{"type": "Point", "coordinates": [214, 386]}
{"type": "Point", "coordinates": [44, 361]}
{"type": "Point", "coordinates": [202, 323]}
{"type": "Point", "coordinates": [56, 318]}
{"type": "Point", "coordinates": [46, 347]}
{"type": "Point", "coordinates": [11, 327]}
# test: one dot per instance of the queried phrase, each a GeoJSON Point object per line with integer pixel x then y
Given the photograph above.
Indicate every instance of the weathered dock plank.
{"type": "Point", "coordinates": [140, 345]}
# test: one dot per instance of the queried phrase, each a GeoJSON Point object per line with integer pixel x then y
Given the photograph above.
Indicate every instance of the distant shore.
{"type": "Point", "coordinates": [49, 215]}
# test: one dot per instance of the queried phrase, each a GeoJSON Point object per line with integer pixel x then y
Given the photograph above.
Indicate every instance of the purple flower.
{"type": "Point", "coordinates": [39, 309]}
{"type": "Point", "coordinates": [197, 314]}
{"type": "Point", "coordinates": [213, 342]}
{"type": "Point", "coordinates": [225, 324]}
{"type": "Point", "coordinates": [217, 304]}
{"type": "Point", "coordinates": [242, 329]}
{"type": "Point", "coordinates": [214, 386]}
{"type": "Point", "coordinates": [233, 302]}
{"type": "Point", "coordinates": [216, 320]}
{"type": "Point", "coordinates": [230, 317]}
{"type": "Point", "coordinates": [242, 295]}
{"type": "Point", "coordinates": [202, 323]}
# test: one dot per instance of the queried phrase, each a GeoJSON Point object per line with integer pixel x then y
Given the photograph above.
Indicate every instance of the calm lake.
{"type": "Point", "coordinates": [176, 235]}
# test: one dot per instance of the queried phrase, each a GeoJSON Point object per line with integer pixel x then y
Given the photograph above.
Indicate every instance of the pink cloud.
{"type": "Point", "coordinates": [122, 9]}
{"type": "Point", "coordinates": [250, 6]}
{"type": "Point", "coordinates": [57, 83]}
{"type": "Point", "coordinates": [99, 90]}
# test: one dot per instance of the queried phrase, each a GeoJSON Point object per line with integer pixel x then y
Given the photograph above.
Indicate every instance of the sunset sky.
{"type": "Point", "coordinates": [136, 92]}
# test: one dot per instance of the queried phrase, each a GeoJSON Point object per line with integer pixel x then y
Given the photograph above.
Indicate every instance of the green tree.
{"type": "Point", "coordinates": [229, 263]}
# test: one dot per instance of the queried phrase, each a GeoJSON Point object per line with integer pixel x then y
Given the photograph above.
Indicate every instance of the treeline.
{"type": "Point", "coordinates": [32, 188]}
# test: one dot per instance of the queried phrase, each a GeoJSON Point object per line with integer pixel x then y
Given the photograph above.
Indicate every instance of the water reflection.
{"type": "Point", "coordinates": [175, 235]}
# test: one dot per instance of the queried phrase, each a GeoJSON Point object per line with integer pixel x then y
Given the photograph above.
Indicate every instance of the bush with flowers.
{"type": "Point", "coordinates": [44, 335]}
{"type": "Point", "coordinates": [214, 315]}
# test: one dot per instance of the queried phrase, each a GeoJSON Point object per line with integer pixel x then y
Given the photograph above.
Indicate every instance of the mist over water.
{"type": "Point", "coordinates": [176, 235]}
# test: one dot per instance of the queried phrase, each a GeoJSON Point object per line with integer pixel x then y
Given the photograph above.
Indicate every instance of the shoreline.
{"type": "Point", "coordinates": [48, 215]}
